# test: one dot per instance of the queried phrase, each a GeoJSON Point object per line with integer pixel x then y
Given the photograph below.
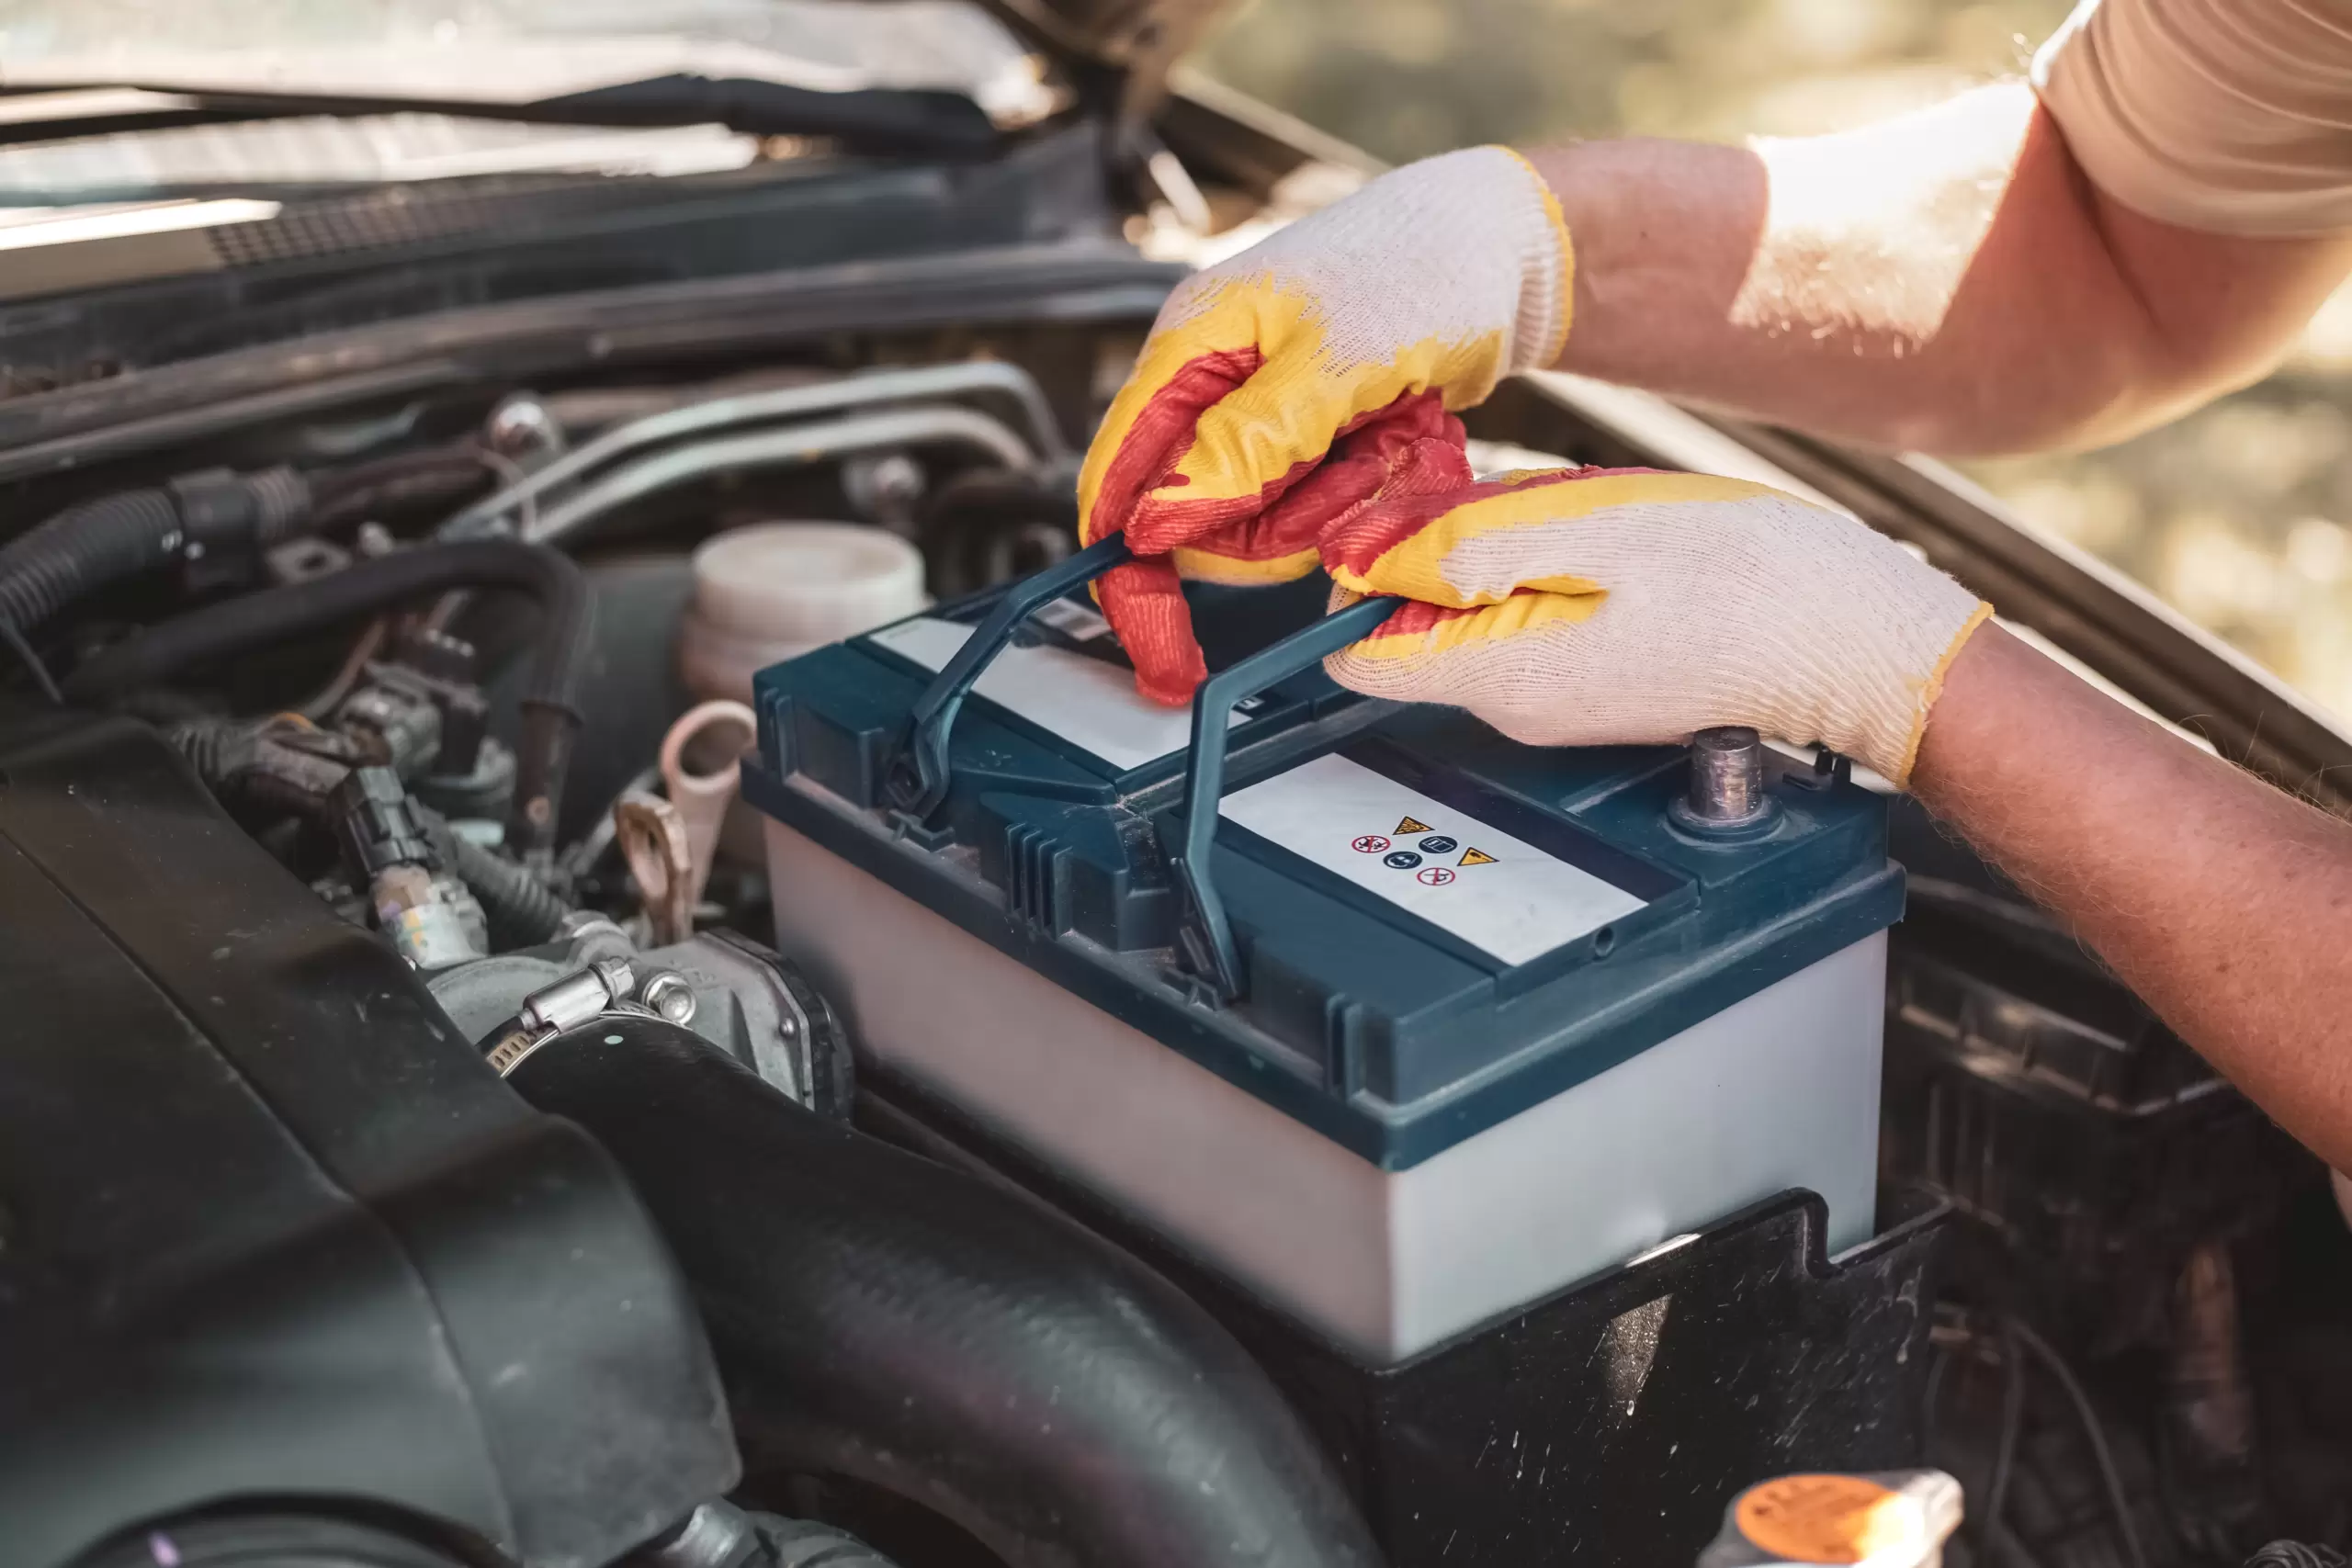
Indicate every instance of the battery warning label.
{"type": "Point", "coordinates": [1411, 855]}
{"type": "Point", "coordinates": [1502, 896]}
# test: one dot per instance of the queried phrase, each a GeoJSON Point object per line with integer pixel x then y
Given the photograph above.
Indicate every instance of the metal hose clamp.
{"type": "Point", "coordinates": [549, 1010]}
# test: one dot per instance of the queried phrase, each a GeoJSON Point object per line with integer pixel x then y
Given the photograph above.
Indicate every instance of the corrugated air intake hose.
{"type": "Point", "coordinates": [112, 538]}
{"type": "Point", "coordinates": [880, 1317]}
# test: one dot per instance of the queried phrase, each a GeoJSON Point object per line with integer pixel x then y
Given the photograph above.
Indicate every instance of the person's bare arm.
{"type": "Point", "coordinates": [1946, 281]}
{"type": "Point", "coordinates": [2224, 903]}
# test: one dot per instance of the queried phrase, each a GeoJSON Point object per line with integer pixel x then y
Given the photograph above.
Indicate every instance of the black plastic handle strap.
{"type": "Point", "coordinates": [1207, 935]}
{"type": "Point", "coordinates": [918, 777]}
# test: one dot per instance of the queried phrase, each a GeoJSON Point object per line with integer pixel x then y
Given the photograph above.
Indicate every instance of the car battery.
{"type": "Point", "coordinates": [1394, 1023]}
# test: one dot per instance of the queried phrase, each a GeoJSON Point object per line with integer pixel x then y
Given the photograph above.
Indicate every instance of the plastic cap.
{"type": "Point", "coordinates": [806, 582]}
{"type": "Point", "coordinates": [1888, 1519]}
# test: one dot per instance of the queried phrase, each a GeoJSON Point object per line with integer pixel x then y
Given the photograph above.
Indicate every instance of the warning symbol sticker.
{"type": "Point", "coordinates": [1501, 894]}
{"type": "Point", "coordinates": [1436, 843]}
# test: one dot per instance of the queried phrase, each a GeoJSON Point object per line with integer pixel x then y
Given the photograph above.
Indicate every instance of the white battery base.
{"type": "Point", "coordinates": [1779, 1090]}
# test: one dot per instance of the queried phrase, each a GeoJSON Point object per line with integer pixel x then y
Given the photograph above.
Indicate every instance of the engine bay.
{"type": "Point", "coordinates": [506, 1070]}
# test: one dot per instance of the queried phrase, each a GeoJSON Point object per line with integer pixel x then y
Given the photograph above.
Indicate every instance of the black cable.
{"type": "Point", "coordinates": [550, 720]}
{"type": "Point", "coordinates": [2005, 1452]}
{"type": "Point", "coordinates": [521, 910]}
{"type": "Point", "coordinates": [114, 537]}
{"type": "Point", "coordinates": [31, 662]}
{"type": "Point", "coordinates": [1931, 1404]}
{"type": "Point", "coordinates": [2111, 1478]}
{"type": "Point", "coordinates": [438, 475]}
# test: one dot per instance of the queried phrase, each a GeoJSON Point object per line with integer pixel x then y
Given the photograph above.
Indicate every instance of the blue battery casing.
{"type": "Point", "coordinates": [1373, 1027]}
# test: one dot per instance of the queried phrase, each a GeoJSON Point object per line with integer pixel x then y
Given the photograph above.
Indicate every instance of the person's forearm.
{"type": "Point", "coordinates": [2224, 903]}
{"type": "Point", "coordinates": [1946, 281]}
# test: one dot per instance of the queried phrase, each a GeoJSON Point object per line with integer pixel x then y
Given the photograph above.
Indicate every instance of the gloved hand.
{"type": "Point", "coordinates": [1347, 335]}
{"type": "Point", "coordinates": [1603, 606]}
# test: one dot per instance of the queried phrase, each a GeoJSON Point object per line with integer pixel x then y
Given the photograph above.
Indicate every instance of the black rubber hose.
{"type": "Point", "coordinates": [550, 720]}
{"type": "Point", "coordinates": [440, 475]}
{"type": "Point", "coordinates": [523, 910]}
{"type": "Point", "coordinates": [880, 1317]}
{"type": "Point", "coordinates": [112, 538]}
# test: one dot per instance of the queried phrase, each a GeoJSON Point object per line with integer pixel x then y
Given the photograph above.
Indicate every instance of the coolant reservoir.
{"type": "Point", "coordinates": [773, 590]}
{"type": "Point", "coordinates": [1397, 1023]}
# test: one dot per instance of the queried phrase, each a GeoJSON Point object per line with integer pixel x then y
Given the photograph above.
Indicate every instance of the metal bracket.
{"type": "Point", "coordinates": [1205, 937]}
{"type": "Point", "coordinates": [917, 781]}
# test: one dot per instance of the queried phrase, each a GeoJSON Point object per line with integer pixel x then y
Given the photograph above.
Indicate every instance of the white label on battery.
{"type": "Point", "coordinates": [1090, 703]}
{"type": "Point", "coordinates": [1501, 894]}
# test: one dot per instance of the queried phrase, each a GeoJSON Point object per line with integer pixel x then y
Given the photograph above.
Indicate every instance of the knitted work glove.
{"type": "Point", "coordinates": [1593, 606]}
{"type": "Point", "coordinates": [1347, 335]}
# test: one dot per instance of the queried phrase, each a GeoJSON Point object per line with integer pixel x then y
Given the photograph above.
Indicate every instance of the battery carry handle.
{"type": "Point", "coordinates": [1205, 937]}
{"type": "Point", "coordinates": [916, 784]}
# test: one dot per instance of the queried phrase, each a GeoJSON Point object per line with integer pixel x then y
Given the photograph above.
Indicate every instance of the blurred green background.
{"type": "Point", "coordinates": [2237, 514]}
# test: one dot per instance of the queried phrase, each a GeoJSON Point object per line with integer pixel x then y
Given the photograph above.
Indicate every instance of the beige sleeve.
{"type": "Point", "coordinates": [2230, 115]}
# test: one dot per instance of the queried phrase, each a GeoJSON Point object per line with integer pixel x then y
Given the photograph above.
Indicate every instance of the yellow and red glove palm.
{"type": "Point", "coordinates": [1283, 389]}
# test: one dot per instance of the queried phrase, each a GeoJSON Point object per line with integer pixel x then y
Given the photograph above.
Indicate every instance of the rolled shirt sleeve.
{"type": "Point", "coordinates": [2229, 115]}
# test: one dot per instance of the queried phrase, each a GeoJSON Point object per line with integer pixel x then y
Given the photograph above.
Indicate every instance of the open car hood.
{"type": "Point", "coordinates": [538, 51]}
{"type": "Point", "coordinates": [523, 51]}
{"type": "Point", "coordinates": [1140, 39]}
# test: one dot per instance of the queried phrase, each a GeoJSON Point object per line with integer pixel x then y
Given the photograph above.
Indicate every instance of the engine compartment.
{"type": "Point", "coordinates": [353, 798]}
